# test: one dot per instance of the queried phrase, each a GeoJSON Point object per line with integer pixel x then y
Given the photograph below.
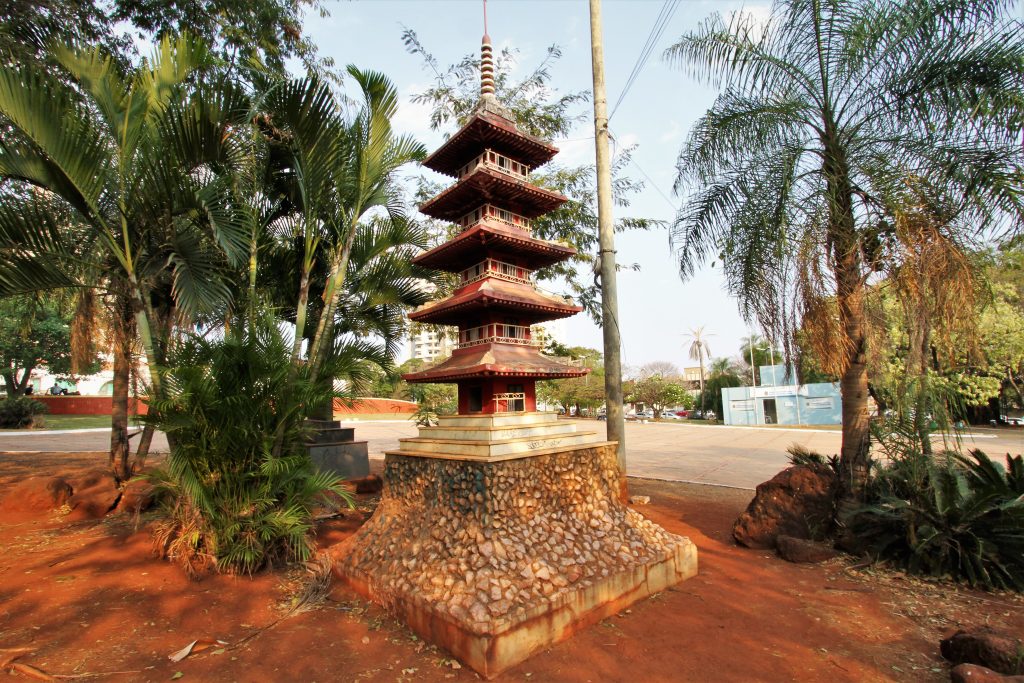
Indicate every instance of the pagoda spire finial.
{"type": "Point", "coordinates": [486, 62]}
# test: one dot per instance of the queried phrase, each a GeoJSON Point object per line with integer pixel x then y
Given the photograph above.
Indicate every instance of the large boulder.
{"type": "Point", "coordinates": [972, 673]}
{"type": "Point", "coordinates": [137, 496]}
{"type": "Point", "coordinates": [801, 550]}
{"type": "Point", "coordinates": [986, 647]}
{"type": "Point", "coordinates": [96, 494]}
{"type": "Point", "coordinates": [37, 495]}
{"type": "Point", "coordinates": [798, 501]}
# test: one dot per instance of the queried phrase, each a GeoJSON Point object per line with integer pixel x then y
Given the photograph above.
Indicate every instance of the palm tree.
{"type": "Point", "coordinates": [329, 174]}
{"type": "Point", "coordinates": [699, 350]}
{"type": "Point", "coordinates": [363, 182]}
{"type": "Point", "coordinates": [114, 180]}
{"type": "Point", "coordinates": [825, 112]}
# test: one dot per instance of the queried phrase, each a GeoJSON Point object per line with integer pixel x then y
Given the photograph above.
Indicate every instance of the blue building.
{"type": "Point", "coordinates": [775, 402]}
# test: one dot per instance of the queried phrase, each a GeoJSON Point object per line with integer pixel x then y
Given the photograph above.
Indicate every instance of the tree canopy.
{"type": "Point", "coordinates": [830, 114]}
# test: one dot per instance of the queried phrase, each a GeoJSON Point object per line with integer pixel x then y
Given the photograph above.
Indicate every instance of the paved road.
{"type": "Point", "coordinates": [730, 456]}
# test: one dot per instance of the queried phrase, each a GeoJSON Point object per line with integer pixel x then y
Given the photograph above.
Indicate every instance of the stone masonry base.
{"type": "Point", "coordinates": [494, 561]}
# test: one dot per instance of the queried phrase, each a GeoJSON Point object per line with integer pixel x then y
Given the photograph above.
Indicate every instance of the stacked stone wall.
{"type": "Point", "coordinates": [489, 544]}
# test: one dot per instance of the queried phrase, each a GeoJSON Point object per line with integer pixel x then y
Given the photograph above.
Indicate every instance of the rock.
{"type": "Point", "coordinates": [639, 500]}
{"type": "Point", "coordinates": [137, 496]}
{"type": "Point", "coordinates": [803, 551]}
{"type": "Point", "coordinates": [95, 494]}
{"type": "Point", "coordinates": [796, 502]}
{"type": "Point", "coordinates": [987, 647]}
{"type": "Point", "coordinates": [477, 612]}
{"type": "Point", "coordinates": [37, 495]}
{"type": "Point", "coordinates": [368, 484]}
{"type": "Point", "coordinates": [972, 673]}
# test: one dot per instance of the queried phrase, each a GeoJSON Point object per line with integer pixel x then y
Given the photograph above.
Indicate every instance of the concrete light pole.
{"type": "Point", "coordinates": [616, 427]}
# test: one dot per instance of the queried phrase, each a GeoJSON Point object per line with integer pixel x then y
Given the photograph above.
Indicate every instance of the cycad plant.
{"type": "Point", "coordinates": [947, 515]}
{"type": "Point", "coordinates": [240, 488]}
{"type": "Point", "coordinates": [827, 110]}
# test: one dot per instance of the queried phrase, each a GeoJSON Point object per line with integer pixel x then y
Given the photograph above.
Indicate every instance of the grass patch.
{"type": "Point", "coordinates": [367, 417]}
{"type": "Point", "coordinates": [74, 422]}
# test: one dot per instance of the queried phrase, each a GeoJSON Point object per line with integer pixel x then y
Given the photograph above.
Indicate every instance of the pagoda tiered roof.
{"type": "Point", "coordinates": [495, 360]}
{"type": "Point", "coordinates": [489, 130]}
{"type": "Point", "coordinates": [483, 239]}
{"type": "Point", "coordinates": [486, 185]}
{"type": "Point", "coordinates": [495, 295]}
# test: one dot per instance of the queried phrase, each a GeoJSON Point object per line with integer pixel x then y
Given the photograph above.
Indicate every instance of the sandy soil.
{"type": "Point", "coordinates": [88, 600]}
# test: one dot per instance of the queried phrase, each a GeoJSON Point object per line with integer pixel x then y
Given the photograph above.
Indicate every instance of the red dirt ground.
{"type": "Point", "coordinates": [88, 600]}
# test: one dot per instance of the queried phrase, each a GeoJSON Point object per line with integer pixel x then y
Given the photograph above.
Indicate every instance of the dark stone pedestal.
{"type": "Point", "coordinates": [334, 449]}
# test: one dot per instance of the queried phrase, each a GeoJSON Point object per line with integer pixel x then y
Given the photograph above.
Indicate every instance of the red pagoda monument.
{"type": "Point", "coordinates": [496, 362]}
{"type": "Point", "coordinates": [500, 531]}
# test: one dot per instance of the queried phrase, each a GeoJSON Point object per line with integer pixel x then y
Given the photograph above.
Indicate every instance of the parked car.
{"type": "Point", "coordinates": [682, 413]}
{"type": "Point", "coordinates": [669, 415]}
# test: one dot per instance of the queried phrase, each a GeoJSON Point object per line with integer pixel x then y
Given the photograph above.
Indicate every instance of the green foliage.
{"type": "Point", "coordinates": [763, 353]}
{"type": "Point", "coordinates": [947, 516]}
{"type": "Point", "coordinates": [433, 400]}
{"type": "Point", "coordinates": [240, 488]}
{"type": "Point", "coordinates": [803, 457]}
{"type": "Point", "coordinates": [123, 207]}
{"type": "Point", "coordinates": [243, 32]}
{"type": "Point", "coordinates": [20, 412]}
{"type": "Point", "coordinates": [33, 332]}
{"type": "Point", "coordinates": [656, 391]}
{"type": "Point", "coordinates": [585, 392]}
{"type": "Point", "coordinates": [1001, 323]}
{"type": "Point", "coordinates": [827, 112]}
{"type": "Point", "coordinates": [721, 378]}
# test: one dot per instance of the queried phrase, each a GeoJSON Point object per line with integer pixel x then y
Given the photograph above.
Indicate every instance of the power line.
{"type": "Point", "coordinates": [649, 179]}
{"type": "Point", "coordinates": [668, 9]}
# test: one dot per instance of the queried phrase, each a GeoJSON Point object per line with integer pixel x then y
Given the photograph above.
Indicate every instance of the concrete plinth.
{"type": "Point", "coordinates": [333, 448]}
{"type": "Point", "coordinates": [496, 559]}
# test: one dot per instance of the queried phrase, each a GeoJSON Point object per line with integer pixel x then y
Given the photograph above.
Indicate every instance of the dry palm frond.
{"type": "Point", "coordinates": [317, 585]}
{"type": "Point", "coordinates": [85, 325]}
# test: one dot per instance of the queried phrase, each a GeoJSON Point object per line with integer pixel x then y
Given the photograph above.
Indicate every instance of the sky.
{"type": "Point", "coordinates": [656, 308]}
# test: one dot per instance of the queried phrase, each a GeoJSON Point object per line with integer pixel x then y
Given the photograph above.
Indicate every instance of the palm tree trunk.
{"type": "Point", "coordinates": [300, 314]}
{"type": "Point", "coordinates": [142, 450]}
{"type": "Point", "coordinates": [923, 342]}
{"type": "Point", "coordinates": [700, 355]}
{"type": "Point", "coordinates": [335, 283]}
{"type": "Point", "coordinates": [855, 456]}
{"type": "Point", "coordinates": [119, 449]}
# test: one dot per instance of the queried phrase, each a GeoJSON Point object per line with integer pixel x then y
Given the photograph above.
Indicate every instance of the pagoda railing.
{"type": "Point", "coordinates": [496, 162]}
{"type": "Point", "coordinates": [511, 402]}
{"type": "Point", "coordinates": [491, 213]}
{"type": "Point", "coordinates": [496, 333]}
{"type": "Point", "coordinates": [494, 268]}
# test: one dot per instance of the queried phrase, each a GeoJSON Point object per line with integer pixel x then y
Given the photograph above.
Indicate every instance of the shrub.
{"type": "Point", "coordinates": [16, 413]}
{"type": "Point", "coordinates": [947, 515]}
{"type": "Point", "coordinates": [802, 456]}
{"type": "Point", "coordinates": [239, 486]}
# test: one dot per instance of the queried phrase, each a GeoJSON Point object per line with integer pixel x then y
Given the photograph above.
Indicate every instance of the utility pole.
{"type": "Point", "coordinates": [615, 425]}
